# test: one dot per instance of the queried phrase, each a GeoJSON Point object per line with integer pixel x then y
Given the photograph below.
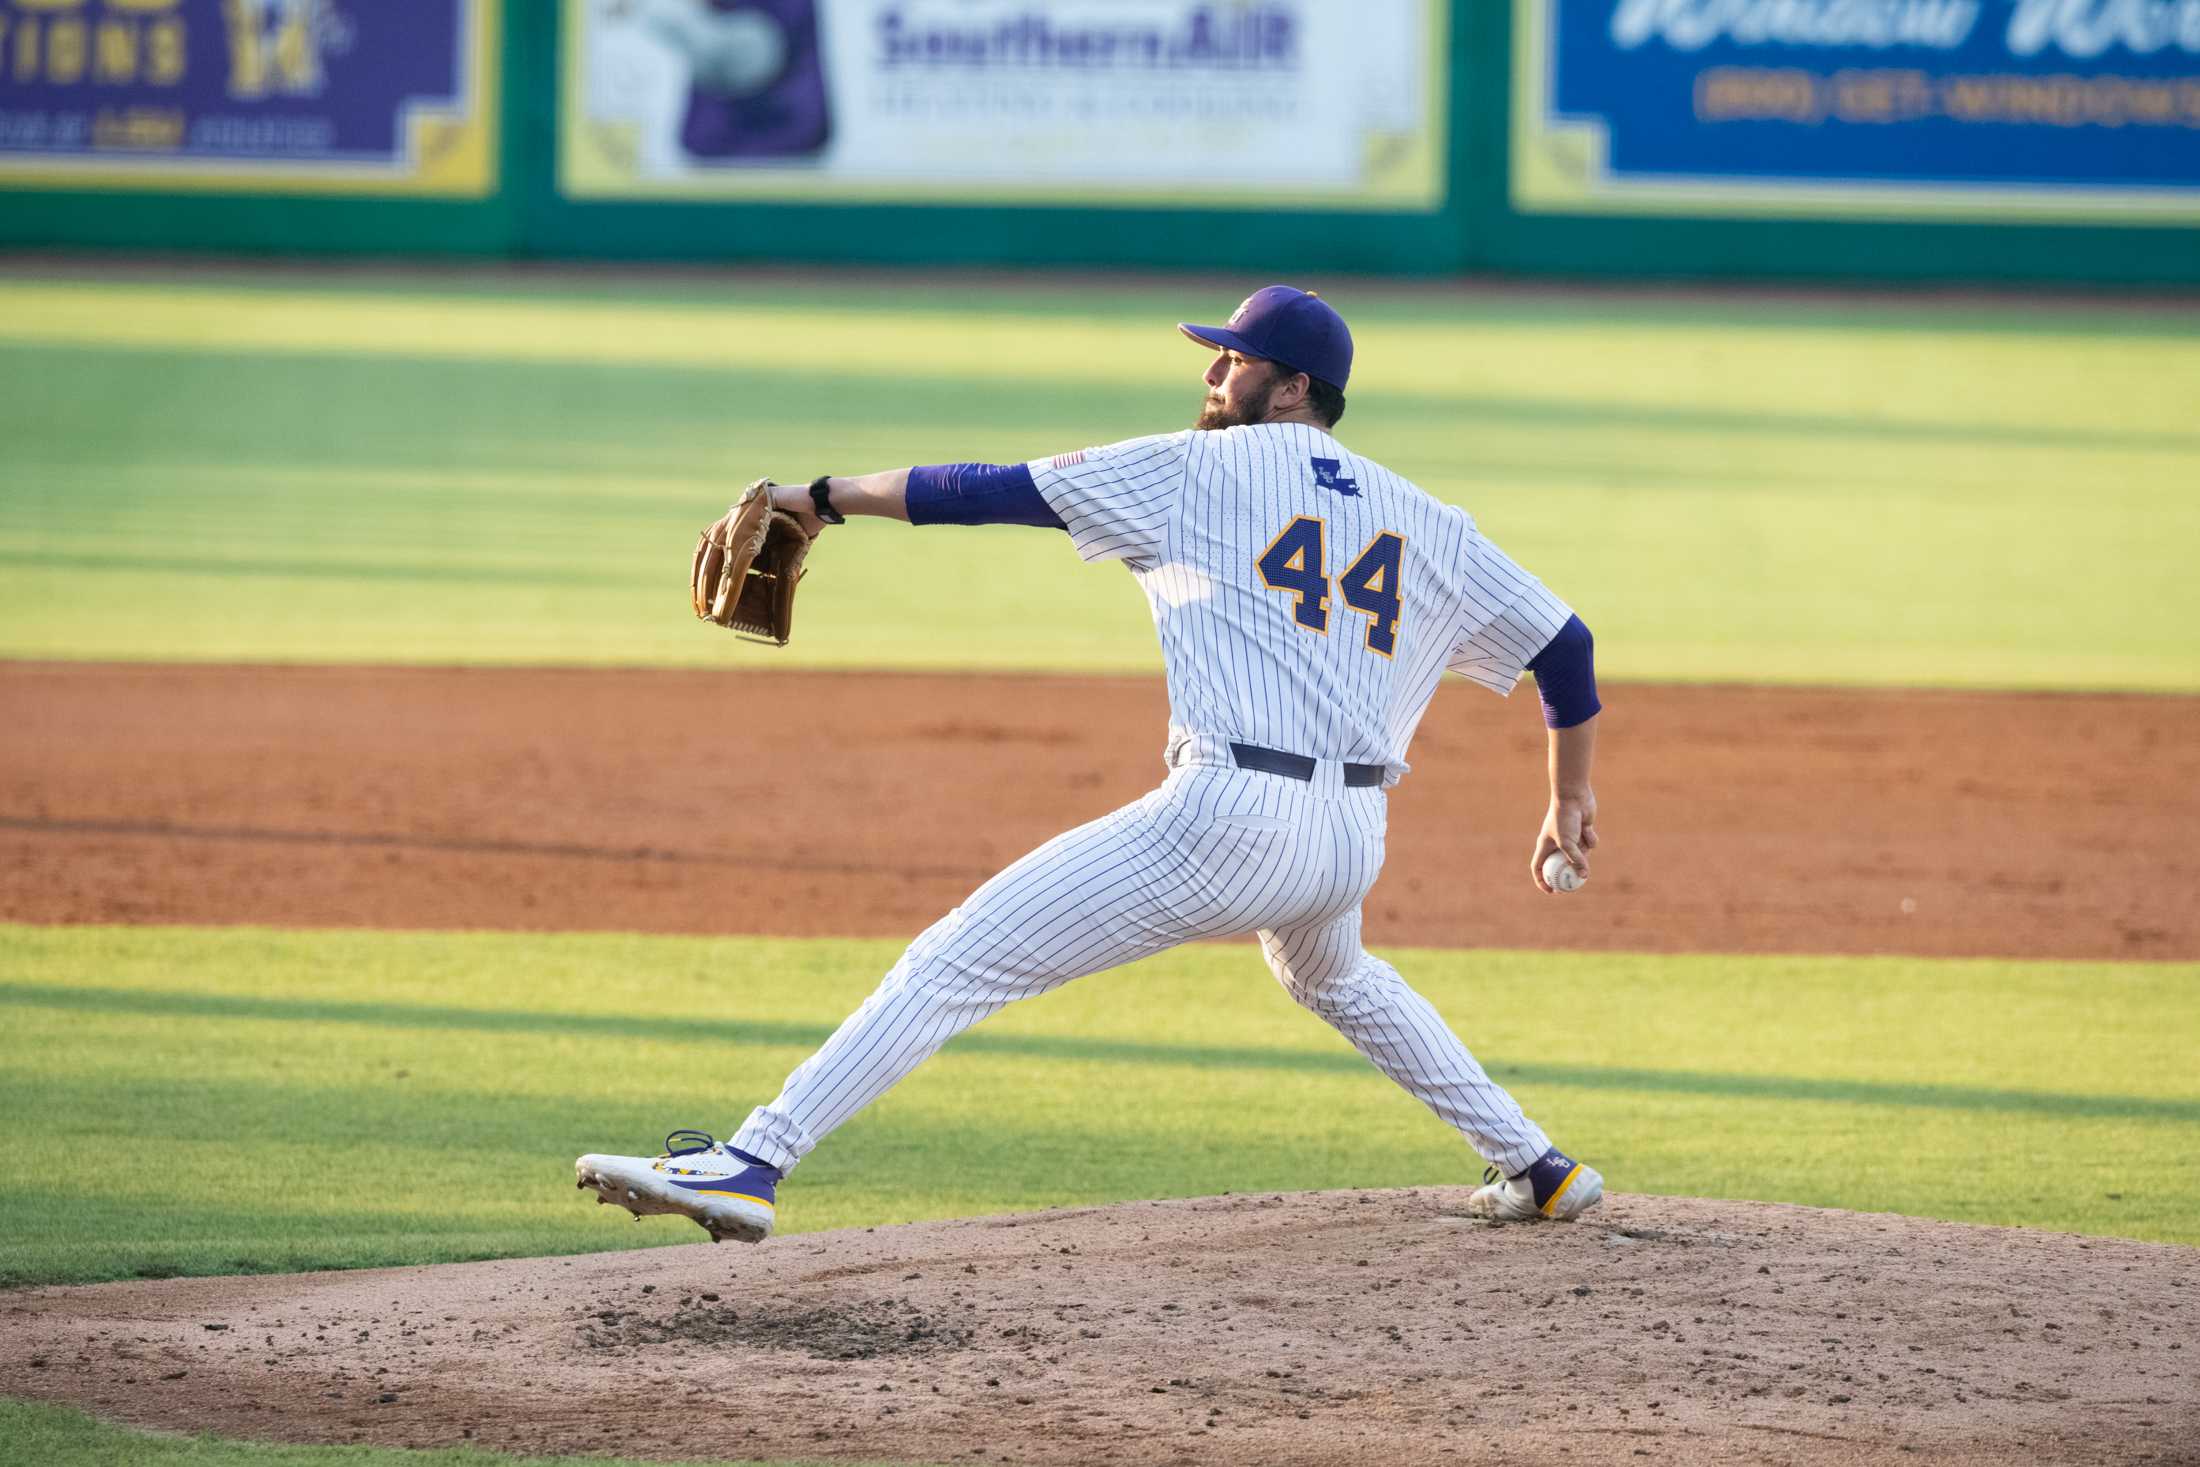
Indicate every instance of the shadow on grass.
{"type": "Point", "coordinates": [202, 386]}
{"type": "Point", "coordinates": [690, 1029]}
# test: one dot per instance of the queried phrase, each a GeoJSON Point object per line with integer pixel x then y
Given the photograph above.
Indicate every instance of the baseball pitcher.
{"type": "Point", "coordinates": [1308, 600]}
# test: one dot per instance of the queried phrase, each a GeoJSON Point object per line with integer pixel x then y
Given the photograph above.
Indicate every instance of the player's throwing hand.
{"type": "Point", "coordinates": [1570, 829]}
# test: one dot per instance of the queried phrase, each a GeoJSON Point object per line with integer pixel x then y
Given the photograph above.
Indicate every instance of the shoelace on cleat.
{"type": "Point", "coordinates": [697, 1141]}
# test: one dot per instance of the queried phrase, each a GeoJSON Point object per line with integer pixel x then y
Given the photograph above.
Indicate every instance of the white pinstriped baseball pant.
{"type": "Point", "coordinates": [1214, 852]}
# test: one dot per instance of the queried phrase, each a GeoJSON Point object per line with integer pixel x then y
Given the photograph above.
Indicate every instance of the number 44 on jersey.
{"type": "Point", "coordinates": [1296, 562]}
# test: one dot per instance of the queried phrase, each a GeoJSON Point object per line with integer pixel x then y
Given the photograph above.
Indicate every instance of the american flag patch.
{"type": "Point", "coordinates": [1066, 460]}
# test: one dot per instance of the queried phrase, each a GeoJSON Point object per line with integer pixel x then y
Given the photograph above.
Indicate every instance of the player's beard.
{"type": "Point", "coordinates": [1215, 413]}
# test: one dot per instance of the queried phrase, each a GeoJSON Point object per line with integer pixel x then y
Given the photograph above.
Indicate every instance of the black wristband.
{"type": "Point", "coordinates": [821, 495]}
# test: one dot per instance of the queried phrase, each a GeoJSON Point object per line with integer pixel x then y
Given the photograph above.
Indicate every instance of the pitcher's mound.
{"type": "Point", "coordinates": [1375, 1327]}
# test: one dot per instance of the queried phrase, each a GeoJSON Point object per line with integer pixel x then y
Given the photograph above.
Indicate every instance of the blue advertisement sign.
{"type": "Point", "coordinates": [2082, 109]}
{"type": "Point", "coordinates": [323, 95]}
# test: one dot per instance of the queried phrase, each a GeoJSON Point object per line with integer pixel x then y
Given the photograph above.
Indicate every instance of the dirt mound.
{"type": "Point", "coordinates": [1365, 1326]}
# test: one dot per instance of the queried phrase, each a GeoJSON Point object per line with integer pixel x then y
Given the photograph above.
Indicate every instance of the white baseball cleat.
{"type": "Point", "coordinates": [1554, 1186]}
{"type": "Point", "coordinates": [729, 1193]}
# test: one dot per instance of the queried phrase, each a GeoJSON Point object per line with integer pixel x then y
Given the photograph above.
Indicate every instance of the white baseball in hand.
{"type": "Point", "coordinates": [1559, 872]}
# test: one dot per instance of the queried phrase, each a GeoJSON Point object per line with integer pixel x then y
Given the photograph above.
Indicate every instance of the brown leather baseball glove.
{"type": "Point", "coordinates": [747, 566]}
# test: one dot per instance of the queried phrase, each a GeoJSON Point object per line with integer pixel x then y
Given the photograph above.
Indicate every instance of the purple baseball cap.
{"type": "Point", "coordinates": [1280, 323]}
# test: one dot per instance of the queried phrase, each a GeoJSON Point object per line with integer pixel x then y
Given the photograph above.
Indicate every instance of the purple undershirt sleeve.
{"type": "Point", "coordinates": [1566, 676]}
{"type": "Point", "coordinates": [978, 494]}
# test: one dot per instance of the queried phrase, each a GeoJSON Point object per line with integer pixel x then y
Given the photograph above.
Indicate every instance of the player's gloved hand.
{"type": "Point", "coordinates": [747, 565]}
{"type": "Point", "coordinates": [1569, 826]}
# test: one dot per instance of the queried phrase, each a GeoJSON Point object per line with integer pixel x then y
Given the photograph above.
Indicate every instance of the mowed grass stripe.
{"type": "Point", "coordinates": [1038, 294]}
{"type": "Point", "coordinates": [422, 476]}
{"type": "Point", "coordinates": [1446, 344]}
{"type": "Point", "coordinates": [335, 1099]}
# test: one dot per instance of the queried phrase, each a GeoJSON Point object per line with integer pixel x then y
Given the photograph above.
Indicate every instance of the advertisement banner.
{"type": "Point", "coordinates": [1189, 103]}
{"type": "Point", "coordinates": [320, 96]}
{"type": "Point", "coordinates": [2082, 110]}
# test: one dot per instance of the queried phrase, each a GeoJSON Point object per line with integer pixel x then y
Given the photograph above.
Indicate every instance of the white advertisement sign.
{"type": "Point", "coordinates": [1189, 103]}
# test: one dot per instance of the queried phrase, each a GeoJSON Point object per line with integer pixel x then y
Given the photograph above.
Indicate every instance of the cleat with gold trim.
{"type": "Point", "coordinates": [730, 1193]}
{"type": "Point", "coordinates": [1554, 1186]}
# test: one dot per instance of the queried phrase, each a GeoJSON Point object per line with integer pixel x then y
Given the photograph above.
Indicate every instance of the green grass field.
{"type": "Point", "coordinates": [50, 1434]}
{"type": "Point", "coordinates": [312, 1100]}
{"type": "Point", "coordinates": [443, 473]}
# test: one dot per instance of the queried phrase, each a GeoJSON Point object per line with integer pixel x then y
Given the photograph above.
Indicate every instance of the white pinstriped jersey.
{"type": "Point", "coordinates": [1308, 602]}
{"type": "Point", "coordinates": [1307, 599]}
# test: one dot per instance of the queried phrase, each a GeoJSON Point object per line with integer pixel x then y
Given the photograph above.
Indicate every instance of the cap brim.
{"type": "Point", "coordinates": [1221, 338]}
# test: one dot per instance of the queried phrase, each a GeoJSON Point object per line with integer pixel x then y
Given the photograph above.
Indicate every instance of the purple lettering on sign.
{"type": "Point", "coordinates": [1207, 37]}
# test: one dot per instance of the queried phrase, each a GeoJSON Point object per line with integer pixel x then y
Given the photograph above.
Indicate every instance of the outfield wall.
{"type": "Point", "coordinates": [1564, 137]}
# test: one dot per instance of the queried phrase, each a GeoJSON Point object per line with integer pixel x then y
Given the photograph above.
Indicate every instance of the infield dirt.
{"type": "Point", "coordinates": [1735, 819]}
{"type": "Point", "coordinates": [1306, 1328]}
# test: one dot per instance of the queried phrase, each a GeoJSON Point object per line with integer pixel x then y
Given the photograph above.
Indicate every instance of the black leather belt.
{"type": "Point", "coordinates": [1298, 766]}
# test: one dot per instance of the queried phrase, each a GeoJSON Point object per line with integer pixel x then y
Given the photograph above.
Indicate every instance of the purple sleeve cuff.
{"type": "Point", "coordinates": [1566, 676]}
{"type": "Point", "coordinates": [978, 494]}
